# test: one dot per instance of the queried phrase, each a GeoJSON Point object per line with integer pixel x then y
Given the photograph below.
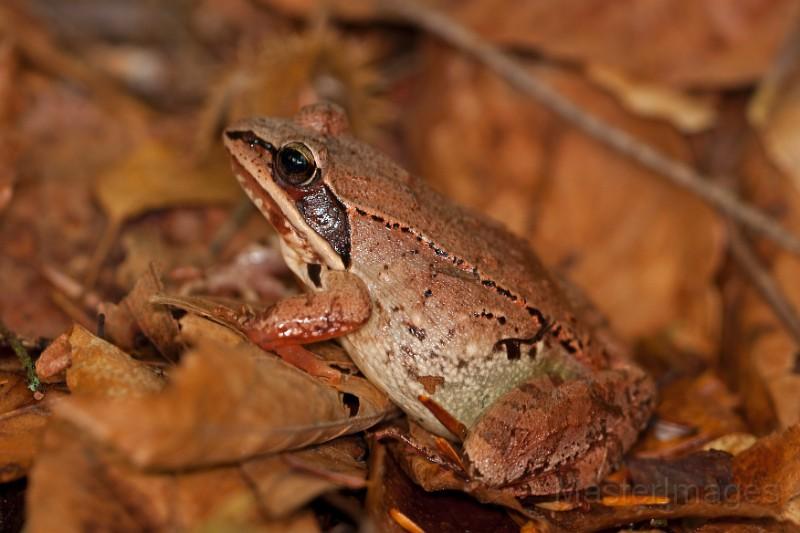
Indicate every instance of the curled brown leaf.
{"type": "Point", "coordinates": [225, 403]}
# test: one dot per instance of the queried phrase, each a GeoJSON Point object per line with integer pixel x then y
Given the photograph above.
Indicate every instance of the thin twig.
{"type": "Point", "coordinates": [22, 354]}
{"type": "Point", "coordinates": [763, 282]}
{"type": "Point", "coordinates": [515, 74]}
{"type": "Point", "coordinates": [725, 160]}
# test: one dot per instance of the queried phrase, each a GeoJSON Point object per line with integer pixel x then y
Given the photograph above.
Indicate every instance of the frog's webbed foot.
{"type": "Point", "coordinates": [548, 436]}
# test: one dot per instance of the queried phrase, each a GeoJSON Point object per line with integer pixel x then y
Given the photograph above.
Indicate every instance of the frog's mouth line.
{"type": "Point", "coordinates": [270, 208]}
{"type": "Point", "coordinates": [261, 199]}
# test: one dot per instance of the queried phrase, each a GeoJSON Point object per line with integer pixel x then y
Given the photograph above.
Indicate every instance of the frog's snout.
{"type": "Point", "coordinates": [248, 137]}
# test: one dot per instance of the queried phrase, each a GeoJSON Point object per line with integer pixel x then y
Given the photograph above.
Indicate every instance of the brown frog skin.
{"type": "Point", "coordinates": [435, 301]}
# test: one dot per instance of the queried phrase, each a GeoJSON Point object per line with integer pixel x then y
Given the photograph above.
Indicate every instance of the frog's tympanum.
{"type": "Point", "coordinates": [437, 306]}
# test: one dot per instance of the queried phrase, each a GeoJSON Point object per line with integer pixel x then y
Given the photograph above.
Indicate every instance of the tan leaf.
{"type": "Point", "coordinates": [768, 473]}
{"type": "Point", "coordinates": [78, 486]}
{"type": "Point", "coordinates": [341, 462]}
{"type": "Point", "coordinates": [73, 489]}
{"type": "Point", "coordinates": [224, 403]}
{"type": "Point", "coordinates": [101, 369]}
{"type": "Point", "coordinates": [195, 329]}
{"type": "Point", "coordinates": [691, 413]}
{"type": "Point", "coordinates": [120, 325]}
{"type": "Point", "coordinates": [688, 113]}
{"type": "Point", "coordinates": [156, 176]}
{"type": "Point", "coordinates": [54, 360]}
{"type": "Point", "coordinates": [762, 361]}
{"type": "Point", "coordinates": [154, 321]}
{"type": "Point", "coordinates": [14, 391]}
{"type": "Point", "coordinates": [288, 481]}
{"type": "Point", "coordinates": [348, 9]}
{"type": "Point", "coordinates": [680, 42]}
{"type": "Point", "coordinates": [733, 443]}
{"type": "Point", "coordinates": [20, 434]}
{"type": "Point", "coordinates": [775, 111]}
{"type": "Point", "coordinates": [286, 72]}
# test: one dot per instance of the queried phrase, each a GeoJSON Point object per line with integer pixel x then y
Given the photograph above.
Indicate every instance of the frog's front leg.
{"type": "Point", "coordinates": [548, 436]}
{"type": "Point", "coordinates": [341, 306]}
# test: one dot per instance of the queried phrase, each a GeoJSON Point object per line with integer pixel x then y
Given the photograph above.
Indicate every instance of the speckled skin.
{"type": "Point", "coordinates": [462, 311]}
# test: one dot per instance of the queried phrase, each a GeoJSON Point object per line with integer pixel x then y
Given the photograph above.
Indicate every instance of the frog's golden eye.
{"type": "Point", "coordinates": [295, 164]}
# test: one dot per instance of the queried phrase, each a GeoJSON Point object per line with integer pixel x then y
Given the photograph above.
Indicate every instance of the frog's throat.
{"type": "Point", "coordinates": [308, 246]}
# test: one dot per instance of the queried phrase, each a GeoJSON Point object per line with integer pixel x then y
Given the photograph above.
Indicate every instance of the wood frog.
{"type": "Point", "coordinates": [447, 312]}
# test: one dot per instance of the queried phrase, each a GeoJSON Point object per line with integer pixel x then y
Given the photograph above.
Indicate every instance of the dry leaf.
{"type": "Point", "coordinates": [14, 391]}
{"type": "Point", "coordinates": [390, 488]}
{"type": "Point", "coordinates": [691, 412]}
{"type": "Point", "coordinates": [136, 315]}
{"type": "Point", "coordinates": [733, 525]}
{"type": "Point", "coordinates": [706, 474]}
{"type": "Point", "coordinates": [688, 113]}
{"type": "Point", "coordinates": [197, 330]}
{"type": "Point", "coordinates": [156, 176]}
{"type": "Point", "coordinates": [733, 443]}
{"type": "Point", "coordinates": [348, 9]}
{"type": "Point", "coordinates": [20, 434]}
{"type": "Point", "coordinates": [774, 110]}
{"type": "Point", "coordinates": [154, 321]}
{"type": "Point", "coordinates": [77, 486]}
{"type": "Point", "coordinates": [8, 151]}
{"type": "Point", "coordinates": [53, 362]}
{"type": "Point", "coordinates": [101, 369]}
{"type": "Point", "coordinates": [341, 462]}
{"type": "Point", "coordinates": [762, 360]}
{"type": "Point", "coordinates": [287, 72]}
{"type": "Point", "coordinates": [255, 273]}
{"type": "Point", "coordinates": [290, 480]}
{"type": "Point", "coordinates": [768, 473]}
{"type": "Point", "coordinates": [765, 478]}
{"type": "Point", "coordinates": [780, 133]}
{"type": "Point", "coordinates": [72, 490]}
{"type": "Point", "coordinates": [680, 42]}
{"type": "Point", "coordinates": [120, 325]}
{"type": "Point", "coordinates": [224, 403]}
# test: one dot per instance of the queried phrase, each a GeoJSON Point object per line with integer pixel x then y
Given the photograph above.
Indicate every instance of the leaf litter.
{"type": "Point", "coordinates": [157, 418]}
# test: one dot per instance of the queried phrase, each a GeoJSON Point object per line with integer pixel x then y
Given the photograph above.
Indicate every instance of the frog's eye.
{"type": "Point", "coordinates": [295, 164]}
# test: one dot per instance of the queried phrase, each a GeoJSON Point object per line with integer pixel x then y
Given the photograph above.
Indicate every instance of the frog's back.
{"type": "Point", "coordinates": [500, 261]}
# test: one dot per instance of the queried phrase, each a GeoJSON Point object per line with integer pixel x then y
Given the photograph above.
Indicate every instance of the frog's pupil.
{"type": "Point", "coordinates": [294, 162]}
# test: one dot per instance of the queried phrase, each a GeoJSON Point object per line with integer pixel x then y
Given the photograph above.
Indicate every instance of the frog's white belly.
{"type": "Point", "coordinates": [416, 345]}
{"type": "Point", "coordinates": [465, 392]}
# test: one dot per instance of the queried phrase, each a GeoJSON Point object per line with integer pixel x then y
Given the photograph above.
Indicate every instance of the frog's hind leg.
{"type": "Point", "coordinates": [548, 436]}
